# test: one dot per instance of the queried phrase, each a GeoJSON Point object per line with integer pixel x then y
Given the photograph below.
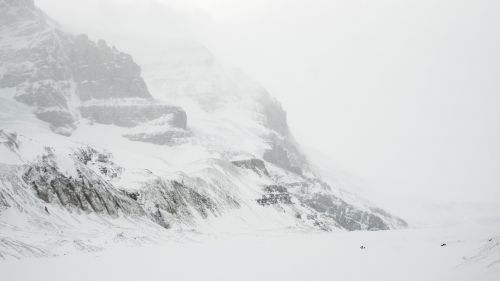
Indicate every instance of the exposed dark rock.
{"type": "Point", "coordinates": [345, 215]}
{"type": "Point", "coordinates": [100, 162]}
{"type": "Point", "coordinates": [383, 213]}
{"type": "Point", "coordinates": [319, 221]}
{"type": "Point", "coordinates": [131, 115]}
{"type": "Point", "coordinates": [102, 72]}
{"type": "Point", "coordinates": [283, 150]}
{"type": "Point", "coordinates": [3, 202]}
{"type": "Point", "coordinates": [171, 137]}
{"type": "Point", "coordinates": [274, 115]}
{"type": "Point", "coordinates": [44, 94]}
{"type": "Point", "coordinates": [254, 164]}
{"type": "Point", "coordinates": [159, 218]}
{"type": "Point", "coordinates": [87, 192]}
{"type": "Point", "coordinates": [172, 201]}
{"type": "Point", "coordinates": [281, 158]}
{"type": "Point", "coordinates": [133, 195]}
{"type": "Point", "coordinates": [9, 139]}
{"type": "Point", "coordinates": [275, 194]}
{"type": "Point", "coordinates": [60, 121]}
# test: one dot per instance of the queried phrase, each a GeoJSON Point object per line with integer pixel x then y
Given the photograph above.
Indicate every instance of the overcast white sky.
{"type": "Point", "coordinates": [400, 98]}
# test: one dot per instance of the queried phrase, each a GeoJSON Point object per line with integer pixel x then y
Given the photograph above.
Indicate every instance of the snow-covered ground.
{"type": "Point", "coordinates": [471, 253]}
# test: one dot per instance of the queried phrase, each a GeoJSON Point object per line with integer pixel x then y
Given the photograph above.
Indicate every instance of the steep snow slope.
{"type": "Point", "coordinates": [235, 116]}
{"type": "Point", "coordinates": [90, 157]}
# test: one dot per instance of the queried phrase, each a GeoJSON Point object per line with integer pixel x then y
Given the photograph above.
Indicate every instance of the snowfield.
{"type": "Point", "coordinates": [471, 253]}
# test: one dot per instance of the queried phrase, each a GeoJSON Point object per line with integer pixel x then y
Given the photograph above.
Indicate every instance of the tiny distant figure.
{"type": "Point", "coordinates": [46, 210]}
{"type": "Point", "coordinates": [491, 239]}
{"type": "Point", "coordinates": [362, 247]}
{"type": "Point", "coordinates": [443, 245]}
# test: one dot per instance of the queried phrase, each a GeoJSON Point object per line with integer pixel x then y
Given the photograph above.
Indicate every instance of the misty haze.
{"type": "Point", "coordinates": [249, 140]}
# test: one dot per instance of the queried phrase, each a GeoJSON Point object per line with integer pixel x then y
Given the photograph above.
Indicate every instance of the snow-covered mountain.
{"type": "Point", "coordinates": [91, 152]}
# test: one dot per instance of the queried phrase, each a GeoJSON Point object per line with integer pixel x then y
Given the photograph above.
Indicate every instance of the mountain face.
{"type": "Point", "coordinates": [93, 151]}
{"type": "Point", "coordinates": [66, 77]}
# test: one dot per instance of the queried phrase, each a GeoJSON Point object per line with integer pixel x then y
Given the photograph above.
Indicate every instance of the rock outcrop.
{"type": "Point", "coordinates": [87, 192]}
{"type": "Point", "coordinates": [131, 115]}
{"type": "Point", "coordinates": [275, 194]}
{"type": "Point", "coordinates": [256, 165]}
{"type": "Point", "coordinates": [103, 72]}
{"type": "Point", "coordinates": [169, 202]}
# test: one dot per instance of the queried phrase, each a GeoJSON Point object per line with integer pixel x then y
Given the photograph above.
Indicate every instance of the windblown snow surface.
{"type": "Point", "coordinates": [471, 253]}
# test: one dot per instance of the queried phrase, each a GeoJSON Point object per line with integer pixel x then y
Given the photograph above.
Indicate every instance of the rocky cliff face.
{"type": "Point", "coordinates": [57, 73]}
{"type": "Point", "coordinates": [91, 190]}
{"type": "Point", "coordinates": [103, 72]}
{"type": "Point", "coordinates": [283, 151]}
{"type": "Point", "coordinates": [133, 114]}
{"type": "Point", "coordinates": [87, 192]}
